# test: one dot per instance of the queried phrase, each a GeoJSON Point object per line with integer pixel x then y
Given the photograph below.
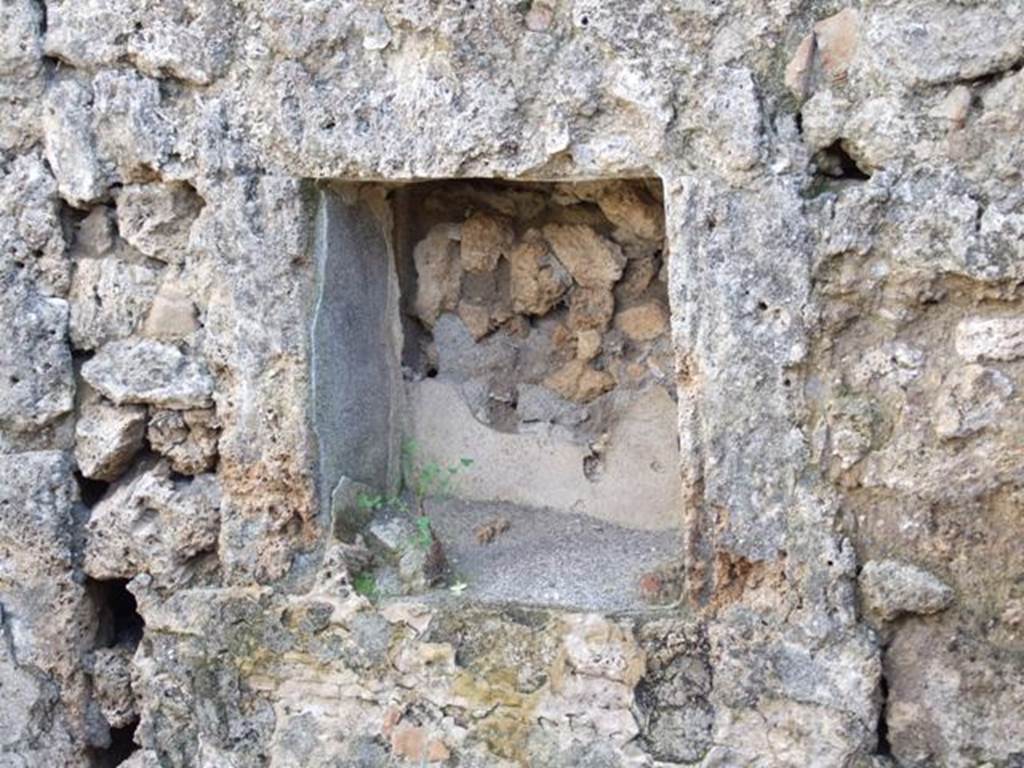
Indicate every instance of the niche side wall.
{"type": "Point", "coordinates": [356, 380]}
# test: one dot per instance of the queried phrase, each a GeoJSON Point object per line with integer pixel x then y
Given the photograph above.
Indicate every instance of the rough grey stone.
{"type": "Point", "coordinates": [890, 589]}
{"type": "Point", "coordinates": [109, 297]}
{"type": "Point", "coordinates": [151, 523]}
{"type": "Point", "coordinates": [46, 618]}
{"type": "Point", "coordinates": [998, 338]}
{"type": "Point", "coordinates": [794, 283]}
{"type": "Point", "coordinates": [112, 683]}
{"type": "Point", "coordinates": [146, 371]}
{"type": "Point", "coordinates": [71, 143]}
{"type": "Point", "coordinates": [31, 236]}
{"type": "Point", "coordinates": [971, 399]}
{"type": "Point", "coordinates": [156, 218]}
{"type": "Point", "coordinates": [107, 437]}
{"type": "Point", "coordinates": [187, 438]}
{"type": "Point", "coordinates": [36, 383]}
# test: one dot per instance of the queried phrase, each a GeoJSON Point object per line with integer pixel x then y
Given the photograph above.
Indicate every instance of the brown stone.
{"type": "Point", "coordinates": [588, 344]}
{"type": "Point", "coordinates": [187, 438]}
{"type": "Point", "coordinates": [592, 260]}
{"type": "Point", "coordinates": [828, 50]}
{"type": "Point", "coordinates": [413, 744]}
{"type": "Point", "coordinates": [631, 209]}
{"type": "Point", "coordinates": [643, 322]}
{"type": "Point", "coordinates": [107, 438]}
{"type": "Point", "coordinates": [538, 280]}
{"type": "Point", "coordinates": [438, 273]}
{"type": "Point", "coordinates": [639, 274]}
{"type": "Point", "coordinates": [172, 315]}
{"type": "Point", "coordinates": [590, 309]}
{"type": "Point", "coordinates": [485, 239]}
{"type": "Point", "coordinates": [476, 318]}
{"type": "Point", "coordinates": [578, 381]}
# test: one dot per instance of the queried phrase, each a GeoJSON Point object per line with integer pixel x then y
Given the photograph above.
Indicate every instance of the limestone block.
{"type": "Point", "coordinates": [172, 315]}
{"type": "Point", "coordinates": [71, 142]}
{"type": "Point", "coordinates": [578, 381]}
{"type": "Point", "coordinates": [485, 239]}
{"type": "Point", "coordinates": [632, 210]}
{"type": "Point", "coordinates": [188, 439]}
{"type": "Point", "coordinates": [152, 523]}
{"type": "Point", "coordinates": [639, 274]}
{"type": "Point", "coordinates": [109, 297]}
{"type": "Point", "coordinates": [36, 382]}
{"type": "Point", "coordinates": [131, 122]}
{"type": "Point", "coordinates": [107, 437]}
{"type": "Point", "coordinates": [643, 322]}
{"type": "Point", "coordinates": [890, 589]}
{"type": "Point", "coordinates": [438, 273]}
{"type": "Point", "coordinates": [90, 33]}
{"type": "Point", "coordinates": [829, 49]}
{"type": "Point", "coordinates": [590, 308]}
{"type": "Point", "coordinates": [592, 260]}
{"type": "Point", "coordinates": [112, 684]}
{"type": "Point", "coordinates": [537, 279]}
{"type": "Point", "coordinates": [996, 338]}
{"type": "Point", "coordinates": [152, 372]}
{"type": "Point", "coordinates": [971, 399]}
{"type": "Point", "coordinates": [31, 236]}
{"type": "Point", "coordinates": [953, 699]}
{"type": "Point", "coordinates": [156, 218]}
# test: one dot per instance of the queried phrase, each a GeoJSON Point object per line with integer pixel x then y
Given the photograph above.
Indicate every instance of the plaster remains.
{"type": "Point", "coordinates": [493, 383]}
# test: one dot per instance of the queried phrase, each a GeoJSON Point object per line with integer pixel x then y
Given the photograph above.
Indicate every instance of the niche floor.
{"type": "Point", "coordinates": [509, 553]}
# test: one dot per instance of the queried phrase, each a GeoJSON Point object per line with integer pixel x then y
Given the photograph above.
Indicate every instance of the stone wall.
{"type": "Point", "coordinates": [844, 209]}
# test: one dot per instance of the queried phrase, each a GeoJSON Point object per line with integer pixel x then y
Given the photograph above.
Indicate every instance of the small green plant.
{"type": "Point", "coordinates": [424, 534]}
{"type": "Point", "coordinates": [365, 584]}
{"type": "Point", "coordinates": [427, 479]}
{"type": "Point", "coordinates": [373, 502]}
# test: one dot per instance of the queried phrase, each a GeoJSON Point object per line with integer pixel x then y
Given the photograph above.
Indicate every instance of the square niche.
{"type": "Point", "coordinates": [519, 333]}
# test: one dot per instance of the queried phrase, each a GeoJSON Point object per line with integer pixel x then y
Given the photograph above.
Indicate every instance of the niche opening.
{"type": "Point", "coordinates": [514, 338]}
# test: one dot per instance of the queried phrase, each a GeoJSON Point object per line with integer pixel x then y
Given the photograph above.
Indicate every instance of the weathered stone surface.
{"type": "Point", "coordinates": [109, 297]}
{"type": "Point", "coordinates": [107, 438]}
{"type": "Point", "coordinates": [538, 280]}
{"type": "Point", "coordinates": [152, 372]}
{"type": "Point", "coordinates": [643, 322]}
{"type": "Point", "coordinates": [593, 261]}
{"type": "Point", "coordinates": [485, 239]}
{"type": "Point", "coordinates": [814, 317]}
{"type": "Point", "coordinates": [953, 699]}
{"type": "Point", "coordinates": [891, 589]}
{"type": "Point", "coordinates": [71, 143]}
{"type": "Point", "coordinates": [31, 237]}
{"type": "Point", "coordinates": [156, 218]}
{"type": "Point", "coordinates": [36, 384]}
{"type": "Point", "coordinates": [590, 308]}
{"type": "Point", "coordinates": [47, 619]}
{"type": "Point", "coordinates": [172, 314]}
{"type": "Point", "coordinates": [577, 380]}
{"type": "Point", "coordinates": [188, 439]}
{"type": "Point", "coordinates": [112, 684]}
{"type": "Point", "coordinates": [152, 523]}
{"type": "Point", "coordinates": [438, 271]}
{"type": "Point", "coordinates": [999, 338]}
{"type": "Point", "coordinates": [193, 46]}
{"type": "Point", "coordinates": [970, 400]}
{"type": "Point", "coordinates": [633, 211]}
{"type": "Point", "coordinates": [826, 53]}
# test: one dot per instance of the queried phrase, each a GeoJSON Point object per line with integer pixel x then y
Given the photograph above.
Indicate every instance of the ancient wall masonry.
{"type": "Point", "coordinates": [721, 302]}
